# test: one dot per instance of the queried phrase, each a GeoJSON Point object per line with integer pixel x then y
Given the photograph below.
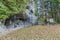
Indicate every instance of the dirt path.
{"type": "Point", "coordinates": [35, 33]}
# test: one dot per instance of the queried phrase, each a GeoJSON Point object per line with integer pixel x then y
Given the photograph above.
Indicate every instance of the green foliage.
{"type": "Point", "coordinates": [9, 7]}
{"type": "Point", "coordinates": [42, 20]}
{"type": "Point", "coordinates": [55, 10]}
{"type": "Point", "coordinates": [54, 1]}
{"type": "Point", "coordinates": [36, 11]}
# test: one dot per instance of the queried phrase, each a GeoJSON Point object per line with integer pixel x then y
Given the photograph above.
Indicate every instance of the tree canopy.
{"type": "Point", "coordinates": [8, 7]}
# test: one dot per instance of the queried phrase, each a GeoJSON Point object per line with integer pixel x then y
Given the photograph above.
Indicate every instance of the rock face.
{"type": "Point", "coordinates": [30, 13]}
{"type": "Point", "coordinates": [15, 17]}
{"type": "Point", "coordinates": [32, 19]}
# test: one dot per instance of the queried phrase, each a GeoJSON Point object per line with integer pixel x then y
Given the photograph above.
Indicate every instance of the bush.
{"type": "Point", "coordinates": [9, 7]}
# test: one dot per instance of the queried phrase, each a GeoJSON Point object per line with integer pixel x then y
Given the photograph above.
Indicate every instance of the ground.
{"type": "Point", "coordinates": [38, 32]}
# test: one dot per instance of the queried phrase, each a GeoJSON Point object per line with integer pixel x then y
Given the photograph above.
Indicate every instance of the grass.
{"type": "Point", "coordinates": [34, 33]}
